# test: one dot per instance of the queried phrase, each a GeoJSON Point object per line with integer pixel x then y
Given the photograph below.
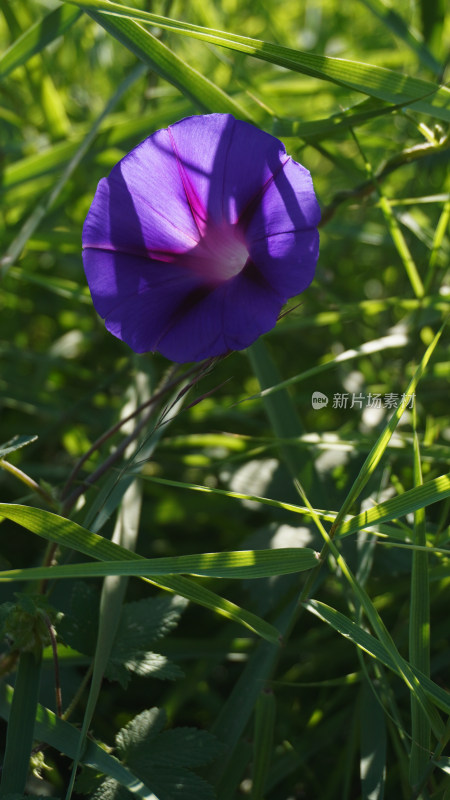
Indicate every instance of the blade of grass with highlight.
{"type": "Point", "coordinates": [36, 38]}
{"type": "Point", "coordinates": [375, 455]}
{"type": "Point", "coordinates": [234, 564]}
{"type": "Point", "coordinates": [431, 492]}
{"type": "Point", "coordinates": [419, 631]}
{"type": "Point", "coordinates": [384, 84]}
{"type": "Point", "coordinates": [374, 346]}
{"type": "Point", "coordinates": [54, 528]}
{"type": "Point", "coordinates": [394, 229]}
{"type": "Point", "coordinates": [156, 55]}
{"type": "Point", "coordinates": [369, 644]}
{"type": "Point", "coordinates": [402, 667]}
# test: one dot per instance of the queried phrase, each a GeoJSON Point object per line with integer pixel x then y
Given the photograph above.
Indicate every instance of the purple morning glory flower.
{"type": "Point", "coordinates": [198, 237]}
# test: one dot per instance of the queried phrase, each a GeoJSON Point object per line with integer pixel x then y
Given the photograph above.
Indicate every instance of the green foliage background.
{"type": "Point", "coordinates": [353, 705]}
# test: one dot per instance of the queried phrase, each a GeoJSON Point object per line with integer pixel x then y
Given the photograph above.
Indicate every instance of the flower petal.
{"type": "Point", "coordinates": [137, 297]}
{"type": "Point", "coordinates": [228, 318]}
{"type": "Point", "coordinates": [226, 162]}
{"type": "Point", "coordinates": [198, 237]}
{"type": "Point", "coordinates": [281, 233]}
{"type": "Point", "coordinates": [141, 207]}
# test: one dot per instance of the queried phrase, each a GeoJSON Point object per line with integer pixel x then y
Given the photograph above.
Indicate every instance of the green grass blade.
{"type": "Point", "coordinates": [431, 492]}
{"type": "Point", "coordinates": [68, 534]}
{"type": "Point", "coordinates": [155, 54]}
{"type": "Point", "coordinates": [265, 711]}
{"type": "Point", "coordinates": [368, 109]}
{"type": "Point", "coordinates": [19, 736]}
{"type": "Point", "coordinates": [373, 745]}
{"type": "Point", "coordinates": [392, 20]}
{"type": "Point", "coordinates": [384, 84]}
{"type": "Point", "coordinates": [375, 455]}
{"type": "Point", "coordinates": [412, 500]}
{"type": "Point", "coordinates": [366, 642]}
{"type": "Point", "coordinates": [419, 632]}
{"type": "Point", "coordinates": [113, 592]}
{"type": "Point", "coordinates": [403, 667]}
{"type": "Point", "coordinates": [36, 38]}
{"type": "Point", "coordinates": [394, 230]}
{"type": "Point", "coordinates": [282, 415]}
{"type": "Point", "coordinates": [237, 564]}
{"type": "Point", "coordinates": [367, 348]}
{"type": "Point", "coordinates": [65, 737]}
{"type": "Point", "coordinates": [36, 217]}
{"type": "Point", "coordinates": [16, 443]}
{"type": "Point", "coordinates": [238, 708]}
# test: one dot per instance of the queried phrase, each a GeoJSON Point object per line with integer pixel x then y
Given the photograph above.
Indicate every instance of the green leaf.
{"type": "Point", "coordinates": [384, 84]}
{"type": "Point", "coordinates": [19, 735]}
{"type": "Point", "coordinates": [373, 745]}
{"type": "Point", "coordinates": [15, 444]}
{"type": "Point", "coordinates": [420, 497]}
{"type": "Point", "coordinates": [164, 757]}
{"type": "Point", "coordinates": [37, 37]}
{"type": "Point", "coordinates": [265, 711]}
{"type": "Point", "coordinates": [191, 83]}
{"type": "Point", "coordinates": [392, 20]}
{"type": "Point", "coordinates": [232, 564]}
{"type": "Point", "coordinates": [58, 529]}
{"type": "Point", "coordinates": [376, 649]}
{"type": "Point", "coordinates": [65, 738]}
{"type": "Point", "coordinates": [141, 624]}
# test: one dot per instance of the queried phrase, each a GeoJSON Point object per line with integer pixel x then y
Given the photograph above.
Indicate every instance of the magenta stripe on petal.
{"type": "Point", "coordinates": [198, 237]}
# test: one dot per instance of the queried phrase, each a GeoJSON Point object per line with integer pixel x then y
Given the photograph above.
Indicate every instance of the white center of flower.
{"type": "Point", "coordinates": [220, 254]}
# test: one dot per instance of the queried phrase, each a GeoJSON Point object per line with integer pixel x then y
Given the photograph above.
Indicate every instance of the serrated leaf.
{"type": "Point", "coordinates": [79, 627]}
{"type": "Point", "coordinates": [144, 726]}
{"type": "Point", "coordinates": [146, 621]}
{"type": "Point", "coordinates": [182, 747]}
{"type": "Point", "coordinates": [141, 623]}
{"type": "Point", "coordinates": [145, 665]}
{"type": "Point", "coordinates": [180, 784]}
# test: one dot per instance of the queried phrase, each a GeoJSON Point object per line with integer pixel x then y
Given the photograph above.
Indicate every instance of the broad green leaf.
{"type": "Point", "coordinates": [384, 84]}
{"type": "Point", "coordinates": [69, 534]}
